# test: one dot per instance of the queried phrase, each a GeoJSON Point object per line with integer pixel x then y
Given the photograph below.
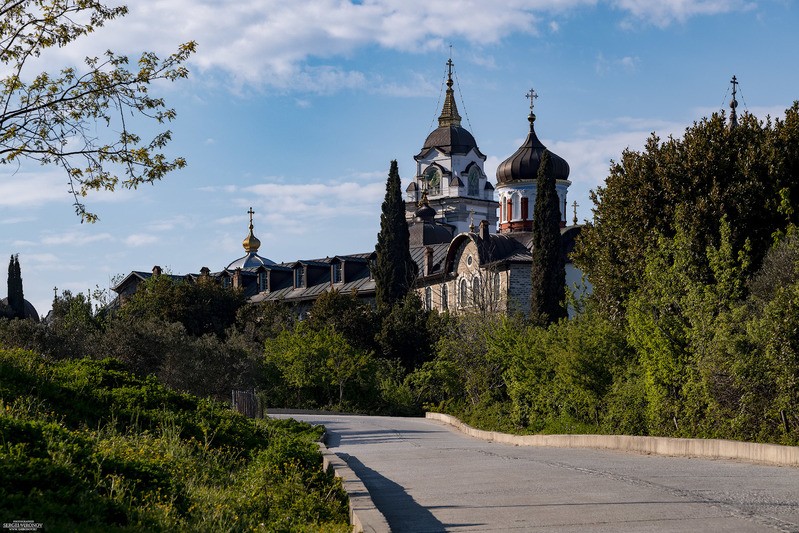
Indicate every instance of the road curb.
{"type": "Point", "coordinates": [772, 454]}
{"type": "Point", "coordinates": [364, 515]}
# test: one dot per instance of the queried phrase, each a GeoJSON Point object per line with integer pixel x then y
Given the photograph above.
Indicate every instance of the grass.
{"type": "Point", "coordinates": [86, 446]}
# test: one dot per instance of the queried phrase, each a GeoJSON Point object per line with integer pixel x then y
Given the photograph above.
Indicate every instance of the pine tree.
{"type": "Point", "coordinates": [16, 300]}
{"type": "Point", "coordinates": [548, 269]}
{"type": "Point", "coordinates": [394, 271]}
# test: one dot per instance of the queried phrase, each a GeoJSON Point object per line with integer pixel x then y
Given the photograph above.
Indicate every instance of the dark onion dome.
{"type": "Point", "coordinates": [30, 311]}
{"type": "Point", "coordinates": [524, 163]}
{"type": "Point", "coordinates": [425, 212]}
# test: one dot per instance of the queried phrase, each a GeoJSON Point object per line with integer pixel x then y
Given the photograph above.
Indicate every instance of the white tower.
{"type": "Point", "coordinates": [449, 168]}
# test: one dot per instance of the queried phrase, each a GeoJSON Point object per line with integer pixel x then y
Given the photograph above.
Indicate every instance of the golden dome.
{"type": "Point", "coordinates": [251, 242]}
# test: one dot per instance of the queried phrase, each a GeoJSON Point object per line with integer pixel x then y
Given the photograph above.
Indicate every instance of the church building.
{"type": "Point", "coordinates": [472, 251]}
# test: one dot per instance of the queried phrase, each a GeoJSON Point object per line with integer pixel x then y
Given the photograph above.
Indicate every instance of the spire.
{"type": "Point", "coordinates": [251, 242]}
{"type": "Point", "coordinates": [449, 113]}
{"type": "Point", "coordinates": [734, 104]}
{"type": "Point", "coordinates": [532, 95]}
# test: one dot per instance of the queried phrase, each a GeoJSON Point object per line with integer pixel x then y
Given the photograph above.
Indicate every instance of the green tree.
{"type": "Point", "coordinates": [55, 118]}
{"type": "Point", "coordinates": [348, 315]}
{"type": "Point", "coordinates": [16, 299]}
{"type": "Point", "coordinates": [394, 271]}
{"type": "Point", "coordinates": [688, 184]}
{"type": "Point", "coordinates": [548, 269]}
{"type": "Point", "coordinates": [204, 306]}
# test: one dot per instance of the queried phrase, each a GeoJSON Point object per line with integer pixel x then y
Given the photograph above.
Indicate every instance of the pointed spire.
{"type": "Point", "coordinates": [251, 242]}
{"type": "Point", "coordinates": [734, 104]}
{"type": "Point", "coordinates": [449, 113]}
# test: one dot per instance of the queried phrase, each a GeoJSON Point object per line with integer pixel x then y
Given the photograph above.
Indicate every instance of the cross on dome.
{"type": "Point", "coordinates": [532, 95]}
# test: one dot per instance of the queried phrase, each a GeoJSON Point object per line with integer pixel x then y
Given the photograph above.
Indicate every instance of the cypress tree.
{"type": "Point", "coordinates": [394, 271]}
{"type": "Point", "coordinates": [16, 300]}
{"type": "Point", "coordinates": [549, 268]}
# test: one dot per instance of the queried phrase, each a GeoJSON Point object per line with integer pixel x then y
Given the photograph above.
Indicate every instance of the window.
{"type": "Point", "coordinates": [464, 293]}
{"type": "Point", "coordinates": [525, 211]}
{"type": "Point", "coordinates": [508, 210]}
{"type": "Point", "coordinates": [517, 208]}
{"type": "Point", "coordinates": [432, 177]}
{"type": "Point", "coordinates": [262, 281]}
{"type": "Point", "coordinates": [428, 298]}
{"type": "Point", "coordinates": [474, 181]}
{"type": "Point", "coordinates": [336, 272]}
{"type": "Point", "coordinates": [299, 277]}
{"type": "Point", "coordinates": [476, 290]}
{"type": "Point", "coordinates": [444, 297]}
{"type": "Point", "coordinates": [495, 279]}
{"type": "Point", "coordinates": [225, 282]}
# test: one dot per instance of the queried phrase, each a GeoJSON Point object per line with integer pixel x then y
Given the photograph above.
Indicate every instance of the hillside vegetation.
{"type": "Point", "coordinates": [87, 446]}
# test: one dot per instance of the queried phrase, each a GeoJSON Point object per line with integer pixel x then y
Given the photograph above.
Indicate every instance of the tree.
{"type": "Point", "coordinates": [548, 269]}
{"type": "Point", "coordinates": [16, 299]}
{"type": "Point", "coordinates": [689, 184]}
{"type": "Point", "coordinates": [52, 119]}
{"type": "Point", "coordinates": [394, 271]}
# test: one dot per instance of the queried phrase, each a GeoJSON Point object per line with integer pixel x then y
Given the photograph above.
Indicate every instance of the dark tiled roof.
{"type": "Point", "coordinates": [450, 140]}
{"type": "Point", "coordinates": [524, 163]}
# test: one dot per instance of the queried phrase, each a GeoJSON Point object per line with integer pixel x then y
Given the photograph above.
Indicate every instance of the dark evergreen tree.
{"type": "Point", "coordinates": [549, 270]}
{"type": "Point", "coordinates": [394, 271]}
{"type": "Point", "coordinates": [16, 300]}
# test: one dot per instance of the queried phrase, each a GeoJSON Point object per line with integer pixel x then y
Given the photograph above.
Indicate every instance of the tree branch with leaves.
{"type": "Point", "coordinates": [52, 118]}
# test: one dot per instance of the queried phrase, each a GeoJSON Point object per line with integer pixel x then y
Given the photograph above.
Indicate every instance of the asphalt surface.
{"type": "Point", "coordinates": [424, 476]}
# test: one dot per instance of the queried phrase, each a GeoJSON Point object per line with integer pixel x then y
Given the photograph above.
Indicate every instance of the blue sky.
{"type": "Point", "coordinates": [297, 108]}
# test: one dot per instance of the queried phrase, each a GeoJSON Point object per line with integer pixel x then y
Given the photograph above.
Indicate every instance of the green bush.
{"type": "Point", "coordinates": [87, 446]}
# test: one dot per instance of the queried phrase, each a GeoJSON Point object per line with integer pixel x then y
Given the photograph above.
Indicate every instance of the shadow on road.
{"type": "Point", "coordinates": [400, 509]}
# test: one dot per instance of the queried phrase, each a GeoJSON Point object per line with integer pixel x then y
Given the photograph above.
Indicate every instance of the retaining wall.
{"type": "Point", "coordinates": [772, 454]}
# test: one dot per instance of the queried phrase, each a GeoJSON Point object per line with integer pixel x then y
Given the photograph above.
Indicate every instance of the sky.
{"type": "Point", "coordinates": [296, 109]}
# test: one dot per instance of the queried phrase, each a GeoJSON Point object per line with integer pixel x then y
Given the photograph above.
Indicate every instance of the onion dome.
{"type": "Point", "coordinates": [524, 163]}
{"type": "Point", "coordinates": [450, 137]}
{"type": "Point", "coordinates": [251, 245]}
{"type": "Point", "coordinates": [425, 212]}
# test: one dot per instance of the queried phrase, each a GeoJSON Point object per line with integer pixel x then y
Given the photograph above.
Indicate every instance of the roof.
{"type": "Point", "coordinates": [251, 260]}
{"type": "Point", "coordinates": [524, 163]}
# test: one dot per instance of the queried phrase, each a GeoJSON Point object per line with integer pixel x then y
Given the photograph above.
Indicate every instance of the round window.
{"type": "Point", "coordinates": [469, 260]}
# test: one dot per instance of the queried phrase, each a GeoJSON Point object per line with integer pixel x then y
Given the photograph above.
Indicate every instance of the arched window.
{"type": "Point", "coordinates": [474, 181]}
{"type": "Point", "coordinates": [432, 177]}
{"type": "Point", "coordinates": [476, 290]}
{"type": "Point", "coordinates": [262, 282]}
{"type": "Point", "coordinates": [464, 293]}
{"type": "Point", "coordinates": [508, 209]}
{"type": "Point", "coordinates": [517, 207]}
{"type": "Point", "coordinates": [428, 298]}
{"type": "Point", "coordinates": [495, 279]}
{"type": "Point", "coordinates": [444, 297]}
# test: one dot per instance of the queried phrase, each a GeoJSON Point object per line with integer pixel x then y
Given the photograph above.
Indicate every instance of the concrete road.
{"type": "Point", "coordinates": [425, 476]}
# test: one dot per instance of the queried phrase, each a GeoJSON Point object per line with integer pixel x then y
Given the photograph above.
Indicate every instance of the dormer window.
{"type": "Point", "coordinates": [262, 282]}
{"type": "Point", "coordinates": [335, 272]}
{"type": "Point", "coordinates": [299, 277]}
{"type": "Point", "coordinates": [225, 282]}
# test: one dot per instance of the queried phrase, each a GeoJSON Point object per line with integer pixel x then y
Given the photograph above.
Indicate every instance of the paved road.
{"type": "Point", "coordinates": [425, 476]}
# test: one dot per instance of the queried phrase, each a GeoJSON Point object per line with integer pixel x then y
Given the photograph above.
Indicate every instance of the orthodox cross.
{"type": "Point", "coordinates": [251, 212]}
{"type": "Point", "coordinates": [734, 103]}
{"type": "Point", "coordinates": [532, 95]}
{"type": "Point", "coordinates": [55, 293]}
{"type": "Point", "coordinates": [471, 220]}
{"type": "Point", "coordinates": [575, 205]}
{"type": "Point", "coordinates": [734, 82]}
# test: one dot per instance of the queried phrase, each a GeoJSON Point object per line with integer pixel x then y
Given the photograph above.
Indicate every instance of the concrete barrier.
{"type": "Point", "coordinates": [364, 516]}
{"type": "Point", "coordinates": [772, 454]}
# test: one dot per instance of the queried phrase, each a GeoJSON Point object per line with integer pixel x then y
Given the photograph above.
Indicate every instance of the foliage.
{"type": "Point", "coordinates": [405, 333]}
{"type": "Point", "coordinates": [87, 446]}
{"type": "Point", "coordinates": [688, 185]}
{"type": "Point", "coordinates": [16, 299]}
{"type": "Point", "coordinates": [53, 119]}
{"type": "Point", "coordinates": [202, 306]}
{"type": "Point", "coordinates": [348, 315]}
{"type": "Point", "coordinates": [311, 360]}
{"type": "Point", "coordinates": [548, 268]}
{"type": "Point", "coordinates": [393, 271]}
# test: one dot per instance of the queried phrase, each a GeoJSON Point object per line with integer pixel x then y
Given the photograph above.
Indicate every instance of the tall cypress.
{"type": "Point", "coordinates": [16, 300]}
{"type": "Point", "coordinates": [549, 263]}
{"type": "Point", "coordinates": [394, 271]}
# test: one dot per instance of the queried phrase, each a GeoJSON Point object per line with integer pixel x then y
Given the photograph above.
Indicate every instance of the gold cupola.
{"type": "Point", "coordinates": [251, 242]}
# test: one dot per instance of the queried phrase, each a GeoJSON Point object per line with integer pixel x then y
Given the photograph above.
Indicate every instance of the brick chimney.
{"type": "Point", "coordinates": [484, 230]}
{"type": "Point", "coordinates": [428, 260]}
{"type": "Point", "coordinates": [237, 282]}
{"type": "Point", "coordinates": [156, 270]}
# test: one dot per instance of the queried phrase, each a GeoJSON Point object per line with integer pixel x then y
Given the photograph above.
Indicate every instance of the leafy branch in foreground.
{"type": "Point", "coordinates": [52, 118]}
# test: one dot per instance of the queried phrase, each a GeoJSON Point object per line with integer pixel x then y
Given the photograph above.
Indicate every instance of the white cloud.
{"type": "Point", "coordinates": [32, 188]}
{"type": "Point", "coordinates": [74, 238]}
{"type": "Point", "coordinates": [140, 239]}
{"type": "Point", "coordinates": [662, 13]}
